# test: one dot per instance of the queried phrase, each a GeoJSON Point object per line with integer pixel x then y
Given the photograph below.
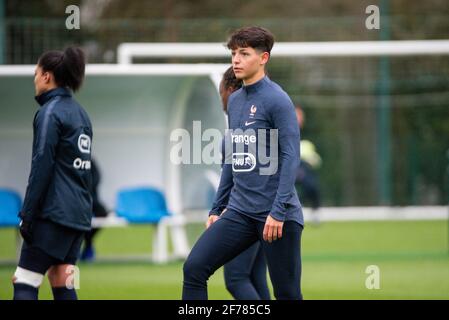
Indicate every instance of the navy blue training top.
{"type": "Point", "coordinates": [261, 156]}
{"type": "Point", "coordinates": [60, 182]}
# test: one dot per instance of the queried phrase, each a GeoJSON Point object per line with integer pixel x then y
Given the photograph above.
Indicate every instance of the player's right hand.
{"type": "Point", "coordinates": [212, 218]}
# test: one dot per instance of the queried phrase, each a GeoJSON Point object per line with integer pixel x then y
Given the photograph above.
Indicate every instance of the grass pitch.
{"type": "Point", "coordinates": [412, 256]}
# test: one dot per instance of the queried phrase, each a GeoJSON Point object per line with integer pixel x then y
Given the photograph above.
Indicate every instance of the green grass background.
{"type": "Point", "coordinates": [413, 258]}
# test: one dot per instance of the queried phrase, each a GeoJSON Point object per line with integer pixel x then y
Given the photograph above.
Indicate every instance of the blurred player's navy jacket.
{"type": "Point", "coordinates": [59, 186]}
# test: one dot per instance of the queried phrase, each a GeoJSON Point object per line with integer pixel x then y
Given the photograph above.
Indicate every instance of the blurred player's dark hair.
{"type": "Point", "coordinates": [67, 66]}
{"type": "Point", "coordinates": [230, 81]}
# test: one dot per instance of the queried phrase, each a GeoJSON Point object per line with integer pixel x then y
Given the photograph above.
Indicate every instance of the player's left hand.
{"type": "Point", "coordinates": [273, 229]}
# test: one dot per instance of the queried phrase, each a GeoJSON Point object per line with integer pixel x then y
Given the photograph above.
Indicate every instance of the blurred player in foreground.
{"type": "Point", "coordinates": [57, 208]}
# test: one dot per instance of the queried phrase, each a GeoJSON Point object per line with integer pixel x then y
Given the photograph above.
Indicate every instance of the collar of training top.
{"type": "Point", "coordinates": [255, 86]}
{"type": "Point", "coordinates": [44, 97]}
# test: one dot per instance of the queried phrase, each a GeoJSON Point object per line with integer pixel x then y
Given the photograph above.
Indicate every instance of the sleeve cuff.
{"type": "Point", "coordinates": [278, 212]}
{"type": "Point", "coordinates": [23, 215]}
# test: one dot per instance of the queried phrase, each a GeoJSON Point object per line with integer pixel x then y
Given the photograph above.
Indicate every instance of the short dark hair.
{"type": "Point", "coordinates": [255, 37]}
{"type": "Point", "coordinates": [67, 66]}
{"type": "Point", "coordinates": [230, 81]}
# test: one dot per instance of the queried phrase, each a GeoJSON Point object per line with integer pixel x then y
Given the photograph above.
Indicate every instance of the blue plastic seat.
{"type": "Point", "coordinates": [141, 205]}
{"type": "Point", "coordinates": [10, 205]}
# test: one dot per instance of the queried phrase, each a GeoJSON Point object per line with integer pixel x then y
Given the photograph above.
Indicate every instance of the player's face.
{"type": "Point", "coordinates": [41, 80]}
{"type": "Point", "coordinates": [248, 63]}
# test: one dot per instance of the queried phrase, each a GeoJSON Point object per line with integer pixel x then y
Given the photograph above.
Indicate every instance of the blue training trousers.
{"type": "Point", "coordinates": [228, 237]}
{"type": "Point", "coordinates": [246, 275]}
